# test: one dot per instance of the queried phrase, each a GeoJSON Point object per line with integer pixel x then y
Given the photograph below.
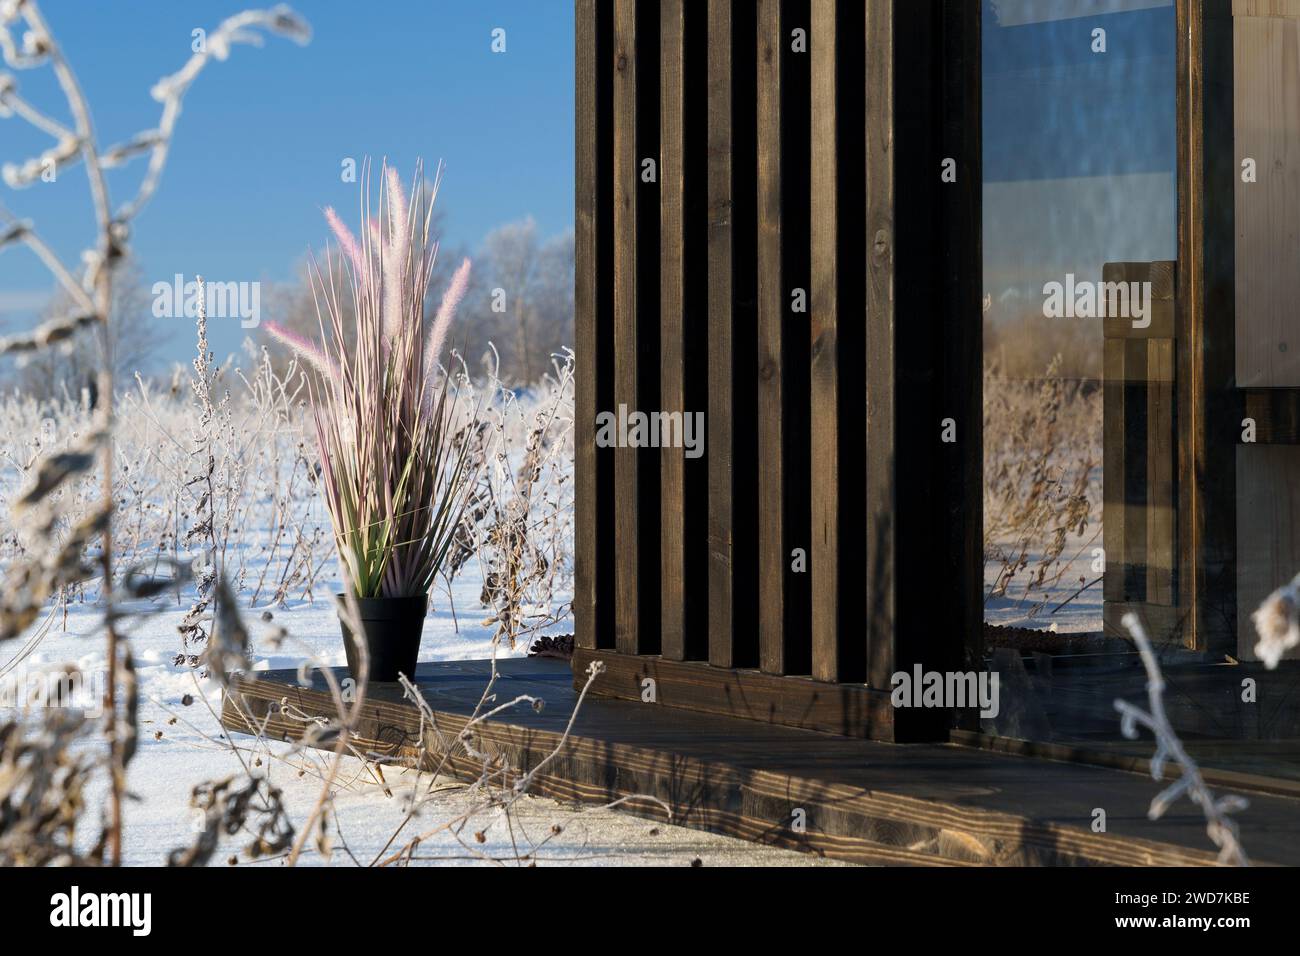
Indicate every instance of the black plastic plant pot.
{"type": "Point", "coordinates": [392, 628]}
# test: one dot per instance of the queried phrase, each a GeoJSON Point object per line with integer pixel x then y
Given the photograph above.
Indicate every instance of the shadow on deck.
{"type": "Point", "coordinates": [869, 802]}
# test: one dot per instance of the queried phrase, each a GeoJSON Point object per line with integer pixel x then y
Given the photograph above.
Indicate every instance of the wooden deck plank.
{"type": "Point", "coordinates": [942, 802]}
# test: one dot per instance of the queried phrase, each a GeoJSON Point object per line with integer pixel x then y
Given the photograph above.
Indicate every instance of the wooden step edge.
{"type": "Point", "coordinates": [916, 831]}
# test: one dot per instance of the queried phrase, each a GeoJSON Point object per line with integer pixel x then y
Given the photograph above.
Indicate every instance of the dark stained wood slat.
{"type": "Point", "coordinates": [586, 161]}
{"type": "Point", "coordinates": [672, 357]}
{"type": "Point", "coordinates": [627, 635]}
{"type": "Point", "coordinates": [881, 379]}
{"type": "Point", "coordinates": [824, 551]}
{"type": "Point", "coordinates": [1208, 406]}
{"type": "Point", "coordinates": [720, 364]}
{"type": "Point", "coordinates": [773, 554]}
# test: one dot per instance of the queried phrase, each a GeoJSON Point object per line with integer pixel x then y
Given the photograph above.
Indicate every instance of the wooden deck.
{"type": "Point", "coordinates": [866, 801]}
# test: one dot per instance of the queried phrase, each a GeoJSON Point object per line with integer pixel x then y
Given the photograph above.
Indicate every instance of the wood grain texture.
{"type": "Point", "coordinates": [586, 254]}
{"type": "Point", "coordinates": [882, 383]}
{"type": "Point", "coordinates": [1266, 8]}
{"type": "Point", "coordinates": [824, 356]}
{"type": "Point", "coordinates": [773, 303]}
{"type": "Point", "coordinates": [672, 342]}
{"type": "Point", "coordinates": [627, 544]}
{"type": "Point", "coordinates": [1267, 129]}
{"type": "Point", "coordinates": [721, 425]}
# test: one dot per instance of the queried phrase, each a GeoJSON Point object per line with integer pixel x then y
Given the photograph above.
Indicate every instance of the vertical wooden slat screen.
{"type": "Point", "coordinates": [759, 277]}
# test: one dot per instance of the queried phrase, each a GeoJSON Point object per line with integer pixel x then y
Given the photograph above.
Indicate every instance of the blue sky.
{"type": "Point", "coordinates": [1079, 146]}
{"type": "Point", "coordinates": [259, 145]}
{"type": "Point", "coordinates": [1053, 108]}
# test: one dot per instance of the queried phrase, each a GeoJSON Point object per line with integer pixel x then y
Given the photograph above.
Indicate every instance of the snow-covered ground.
{"type": "Point", "coordinates": [1063, 605]}
{"type": "Point", "coordinates": [278, 547]}
{"type": "Point", "coordinates": [182, 745]}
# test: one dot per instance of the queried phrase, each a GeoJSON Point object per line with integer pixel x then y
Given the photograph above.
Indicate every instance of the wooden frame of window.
{"type": "Point", "coordinates": [1208, 406]}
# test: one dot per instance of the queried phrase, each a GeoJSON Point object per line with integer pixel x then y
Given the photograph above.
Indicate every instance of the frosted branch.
{"type": "Point", "coordinates": [1222, 829]}
{"type": "Point", "coordinates": [22, 232]}
{"type": "Point", "coordinates": [170, 90]}
{"type": "Point", "coordinates": [1278, 623]}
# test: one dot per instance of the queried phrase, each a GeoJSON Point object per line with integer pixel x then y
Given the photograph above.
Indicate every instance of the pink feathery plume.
{"type": "Point", "coordinates": [397, 213]}
{"type": "Point", "coordinates": [309, 351]}
{"type": "Point", "coordinates": [347, 241]}
{"type": "Point", "coordinates": [451, 299]}
{"type": "Point", "coordinates": [396, 254]}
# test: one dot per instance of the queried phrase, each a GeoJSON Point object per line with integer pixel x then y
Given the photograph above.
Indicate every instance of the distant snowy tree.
{"type": "Point", "coordinates": [64, 371]}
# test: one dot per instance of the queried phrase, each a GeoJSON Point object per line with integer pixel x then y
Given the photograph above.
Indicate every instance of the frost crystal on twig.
{"type": "Point", "coordinates": [1278, 623]}
{"type": "Point", "coordinates": [1218, 822]}
{"type": "Point", "coordinates": [64, 563]}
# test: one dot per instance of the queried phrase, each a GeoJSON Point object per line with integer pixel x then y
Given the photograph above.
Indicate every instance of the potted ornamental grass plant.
{"type": "Point", "coordinates": [392, 428]}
